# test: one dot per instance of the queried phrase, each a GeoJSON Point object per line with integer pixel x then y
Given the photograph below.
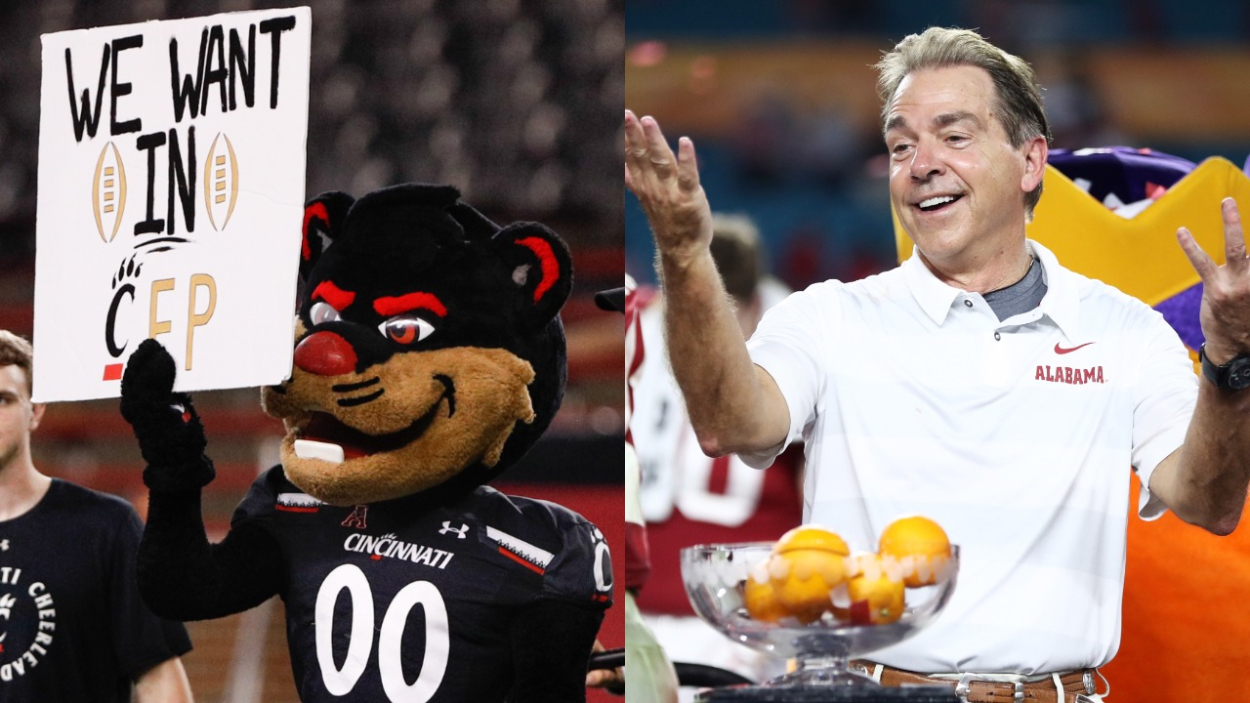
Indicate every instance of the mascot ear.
{"type": "Point", "coordinates": [476, 225]}
{"type": "Point", "coordinates": [324, 216]}
{"type": "Point", "coordinates": [542, 267]}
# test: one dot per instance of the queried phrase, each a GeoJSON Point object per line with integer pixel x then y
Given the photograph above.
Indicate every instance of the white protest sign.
{"type": "Point", "coordinates": [171, 192]}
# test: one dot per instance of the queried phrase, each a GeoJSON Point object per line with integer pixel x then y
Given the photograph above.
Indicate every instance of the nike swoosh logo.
{"type": "Point", "coordinates": [1061, 350]}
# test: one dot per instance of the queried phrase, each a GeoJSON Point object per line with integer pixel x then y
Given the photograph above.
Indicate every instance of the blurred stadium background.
{"type": "Point", "coordinates": [516, 102]}
{"type": "Point", "coordinates": [780, 100]}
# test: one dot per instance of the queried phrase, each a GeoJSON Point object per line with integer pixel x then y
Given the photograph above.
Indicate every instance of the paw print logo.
{"type": "Point", "coordinates": [129, 268]}
{"type": "Point", "coordinates": [123, 288]}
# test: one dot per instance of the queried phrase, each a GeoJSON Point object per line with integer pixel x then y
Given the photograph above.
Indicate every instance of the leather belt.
{"type": "Point", "coordinates": [973, 689]}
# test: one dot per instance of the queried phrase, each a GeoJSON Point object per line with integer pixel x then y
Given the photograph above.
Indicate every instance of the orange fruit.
{"type": "Point", "coordinates": [761, 601]}
{"type": "Point", "coordinates": [808, 578]}
{"type": "Point", "coordinates": [811, 537]}
{"type": "Point", "coordinates": [876, 593]}
{"type": "Point", "coordinates": [809, 562]}
{"type": "Point", "coordinates": [920, 545]}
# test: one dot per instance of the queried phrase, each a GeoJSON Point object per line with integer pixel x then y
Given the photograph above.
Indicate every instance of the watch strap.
{"type": "Point", "coordinates": [1233, 376]}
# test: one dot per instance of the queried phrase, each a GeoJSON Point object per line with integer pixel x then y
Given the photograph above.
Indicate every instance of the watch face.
{"type": "Point", "coordinates": [1239, 373]}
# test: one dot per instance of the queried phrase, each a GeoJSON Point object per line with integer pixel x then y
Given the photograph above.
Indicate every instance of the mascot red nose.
{"type": "Point", "coordinates": [429, 356]}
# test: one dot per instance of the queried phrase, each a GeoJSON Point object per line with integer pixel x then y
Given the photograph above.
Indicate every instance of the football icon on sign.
{"type": "Point", "coordinates": [108, 192]}
{"type": "Point", "coordinates": [221, 181]}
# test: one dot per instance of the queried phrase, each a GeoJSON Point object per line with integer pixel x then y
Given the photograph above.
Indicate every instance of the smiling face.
{"type": "Point", "coordinates": [956, 182]}
{"type": "Point", "coordinates": [429, 350]}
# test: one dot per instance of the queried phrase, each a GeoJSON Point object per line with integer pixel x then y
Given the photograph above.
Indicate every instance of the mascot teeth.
{"type": "Point", "coordinates": [308, 449]}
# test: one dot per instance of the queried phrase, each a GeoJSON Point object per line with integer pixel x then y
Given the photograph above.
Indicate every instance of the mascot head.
{"type": "Point", "coordinates": [428, 348]}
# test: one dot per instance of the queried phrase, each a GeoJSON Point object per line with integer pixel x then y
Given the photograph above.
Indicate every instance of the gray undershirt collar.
{"type": "Point", "coordinates": [1021, 296]}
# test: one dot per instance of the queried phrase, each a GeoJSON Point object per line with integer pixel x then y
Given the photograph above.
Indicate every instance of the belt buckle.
{"type": "Point", "coordinates": [961, 688]}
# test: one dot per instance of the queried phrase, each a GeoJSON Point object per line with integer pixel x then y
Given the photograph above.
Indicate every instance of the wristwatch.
{"type": "Point", "coordinates": [1233, 376]}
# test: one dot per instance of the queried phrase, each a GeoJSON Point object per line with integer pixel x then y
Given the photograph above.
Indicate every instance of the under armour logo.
{"type": "Point", "coordinates": [460, 531]}
{"type": "Point", "coordinates": [357, 518]}
{"type": "Point", "coordinates": [4, 545]}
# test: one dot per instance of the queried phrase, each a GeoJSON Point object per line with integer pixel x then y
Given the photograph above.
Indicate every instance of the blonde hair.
{"type": "Point", "coordinates": [1019, 106]}
{"type": "Point", "coordinates": [16, 351]}
{"type": "Point", "coordinates": [736, 250]}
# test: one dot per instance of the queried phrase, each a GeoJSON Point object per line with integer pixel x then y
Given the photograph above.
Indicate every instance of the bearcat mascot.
{"type": "Point", "coordinates": [429, 356]}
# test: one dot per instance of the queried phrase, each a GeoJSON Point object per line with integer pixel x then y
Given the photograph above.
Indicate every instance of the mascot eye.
{"type": "Point", "coordinates": [322, 313]}
{"type": "Point", "coordinates": [406, 329]}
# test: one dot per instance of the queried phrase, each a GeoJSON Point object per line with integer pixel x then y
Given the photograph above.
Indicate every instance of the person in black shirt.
{"type": "Point", "coordinates": [72, 625]}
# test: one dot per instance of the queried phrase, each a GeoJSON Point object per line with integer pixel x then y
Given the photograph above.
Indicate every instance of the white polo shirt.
{"type": "Point", "coordinates": [913, 398]}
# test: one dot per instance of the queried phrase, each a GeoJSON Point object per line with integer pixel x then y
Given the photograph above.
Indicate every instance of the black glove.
{"type": "Point", "coordinates": [170, 435]}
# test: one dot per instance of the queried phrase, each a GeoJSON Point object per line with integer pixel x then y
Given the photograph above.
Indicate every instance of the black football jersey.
{"type": "Point", "coordinates": [407, 601]}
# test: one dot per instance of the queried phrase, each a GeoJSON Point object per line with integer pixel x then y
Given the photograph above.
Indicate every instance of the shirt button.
{"type": "Point", "coordinates": [968, 303]}
{"type": "Point", "coordinates": [997, 336]}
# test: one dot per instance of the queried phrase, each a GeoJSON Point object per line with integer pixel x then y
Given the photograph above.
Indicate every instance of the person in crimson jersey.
{"type": "Point", "coordinates": [689, 498]}
{"type": "Point", "coordinates": [649, 676]}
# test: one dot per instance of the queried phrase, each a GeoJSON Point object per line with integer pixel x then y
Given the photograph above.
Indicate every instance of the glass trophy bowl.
{"type": "Point", "coordinates": [715, 576]}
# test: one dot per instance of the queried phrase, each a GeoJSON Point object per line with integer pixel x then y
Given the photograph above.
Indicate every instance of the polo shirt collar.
{"type": "Point", "coordinates": [934, 297]}
{"type": "Point", "coordinates": [1060, 304]}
